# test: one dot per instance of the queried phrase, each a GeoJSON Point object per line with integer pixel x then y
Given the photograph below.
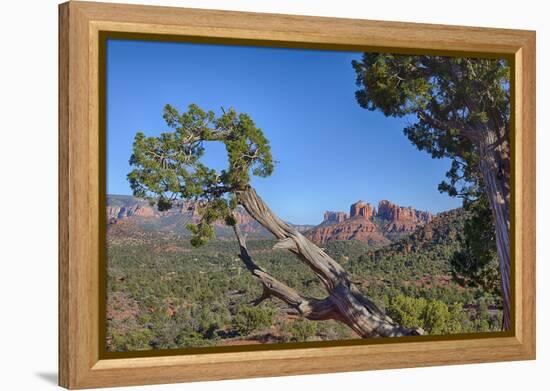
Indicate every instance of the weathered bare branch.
{"type": "Point", "coordinates": [344, 303]}
{"type": "Point", "coordinates": [308, 307]}
{"type": "Point", "coordinates": [285, 244]}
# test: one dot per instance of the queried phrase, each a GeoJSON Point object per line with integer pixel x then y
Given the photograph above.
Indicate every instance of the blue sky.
{"type": "Point", "coordinates": [329, 151]}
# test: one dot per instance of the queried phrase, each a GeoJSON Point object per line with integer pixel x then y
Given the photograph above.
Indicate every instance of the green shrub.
{"type": "Point", "coordinates": [299, 330]}
{"type": "Point", "coordinates": [249, 319]}
{"type": "Point", "coordinates": [137, 339]}
{"type": "Point", "coordinates": [407, 311]}
{"type": "Point", "coordinates": [434, 316]}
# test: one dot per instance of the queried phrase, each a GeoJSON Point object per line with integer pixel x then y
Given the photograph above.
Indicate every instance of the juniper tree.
{"type": "Point", "coordinates": [168, 167]}
{"type": "Point", "coordinates": [459, 108]}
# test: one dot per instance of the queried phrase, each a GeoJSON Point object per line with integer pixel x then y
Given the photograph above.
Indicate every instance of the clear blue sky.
{"type": "Point", "coordinates": [330, 152]}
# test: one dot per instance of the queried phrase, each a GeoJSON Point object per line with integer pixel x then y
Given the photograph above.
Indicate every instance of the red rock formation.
{"type": "Point", "coordinates": [387, 210]}
{"type": "Point", "coordinates": [364, 223]}
{"type": "Point", "coordinates": [361, 208]}
{"type": "Point", "coordinates": [136, 209]}
{"type": "Point", "coordinates": [246, 223]}
{"type": "Point", "coordinates": [334, 217]}
{"type": "Point", "coordinates": [352, 229]}
{"type": "Point", "coordinates": [143, 211]}
{"type": "Point", "coordinates": [126, 211]}
{"type": "Point", "coordinates": [400, 218]}
{"type": "Point", "coordinates": [391, 220]}
{"type": "Point", "coordinates": [423, 216]}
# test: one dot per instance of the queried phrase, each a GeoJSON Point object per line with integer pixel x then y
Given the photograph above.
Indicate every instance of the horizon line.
{"type": "Point", "coordinates": [325, 210]}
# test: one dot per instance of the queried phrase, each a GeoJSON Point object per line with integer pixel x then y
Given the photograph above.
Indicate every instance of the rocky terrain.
{"type": "Point", "coordinates": [125, 213]}
{"type": "Point", "coordinates": [366, 223]}
{"type": "Point", "coordinates": [162, 293]}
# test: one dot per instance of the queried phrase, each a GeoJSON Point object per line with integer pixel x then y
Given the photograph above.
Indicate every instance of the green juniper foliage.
{"type": "Point", "coordinates": [476, 263]}
{"type": "Point", "coordinates": [248, 319]}
{"type": "Point", "coordinates": [168, 167]}
{"type": "Point", "coordinates": [452, 103]}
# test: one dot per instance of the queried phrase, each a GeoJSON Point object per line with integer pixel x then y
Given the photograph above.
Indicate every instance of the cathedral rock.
{"type": "Point", "coordinates": [368, 224]}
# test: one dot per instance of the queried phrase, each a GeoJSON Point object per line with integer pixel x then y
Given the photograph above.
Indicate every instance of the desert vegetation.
{"type": "Point", "coordinates": [449, 274]}
{"type": "Point", "coordinates": [164, 293]}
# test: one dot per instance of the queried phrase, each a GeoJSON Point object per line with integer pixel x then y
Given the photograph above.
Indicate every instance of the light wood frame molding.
{"type": "Point", "coordinates": [80, 24]}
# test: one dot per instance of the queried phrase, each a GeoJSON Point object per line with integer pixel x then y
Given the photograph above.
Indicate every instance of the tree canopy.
{"type": "Point", "coordinates": [168, 167]}
{"type": "Point", "coordinates": [450, 100]}
{"type": "Point", "coordinates": [458, 108]}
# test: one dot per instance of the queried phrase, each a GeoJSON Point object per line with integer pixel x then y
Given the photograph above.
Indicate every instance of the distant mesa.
{"type": "Point", "coordinates": [365, 223]}
{"type": "Point", "coordinates": [402, 219]}
{"type": "Point", "coordinates": [334, 217]}
{"type": "Point", "coordinates": [360, 229]}
{"type": "Point", "coordinates": [363, 209]}
{"type": "Point", "coordinates": [128, 214]}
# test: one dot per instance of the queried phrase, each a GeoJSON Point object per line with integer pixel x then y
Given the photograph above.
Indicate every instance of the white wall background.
{"type": "Point", "coordinates": [28, 193]}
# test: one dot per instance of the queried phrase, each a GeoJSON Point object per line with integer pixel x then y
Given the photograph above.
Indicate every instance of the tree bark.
{"type": "Point", "coordinates": [493, 166]}
{"type": "Point", "coordinates": [493, 145]}
{"type": "Point", "coordinates": [344, 302]}
{"type": "Point", "coordinates": [310, 308]}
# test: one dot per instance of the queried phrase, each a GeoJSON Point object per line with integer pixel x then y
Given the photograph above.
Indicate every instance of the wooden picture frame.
{"type": "Point", "coordinates": [81, 25]}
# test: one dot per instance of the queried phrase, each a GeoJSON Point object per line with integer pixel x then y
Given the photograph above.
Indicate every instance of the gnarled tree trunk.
{"type": "Point", "coordinates": [344, 302]}
{"type": "Point", "coordinates": [494, 166]}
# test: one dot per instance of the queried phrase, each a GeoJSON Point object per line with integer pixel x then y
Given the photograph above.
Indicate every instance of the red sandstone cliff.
{"type": "Point", "coordinates": [128, 211]}
{"type": "Point", "coordinates": [330, 218]}
{"type": "Point", "coordinates": [361, 208]}
{"type": "Point", "coordinates": [359, 229]}
{"type": "Point", "coordinates": [367, 224]}
{"type": "Point", "coordinates": [400, 218]}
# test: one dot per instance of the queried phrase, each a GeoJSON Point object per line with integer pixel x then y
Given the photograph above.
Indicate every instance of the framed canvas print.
{"type": "Point", "coordinates": [248, 195]}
